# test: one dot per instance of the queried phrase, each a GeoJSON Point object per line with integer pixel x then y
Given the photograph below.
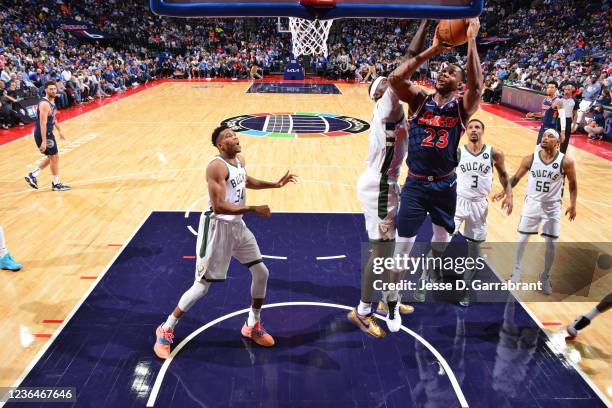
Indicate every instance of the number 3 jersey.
{"type": "Point", "coordinates": [545, 181]}
{"type": "Point", "coordinates": [235, 188]}
{"type": "Point", "coordinates": [475, 173]}
{"type": "Point", "coordinates": [433, 138]}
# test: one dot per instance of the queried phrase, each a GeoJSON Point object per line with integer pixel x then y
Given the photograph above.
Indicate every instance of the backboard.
{"type": "Point", "coordinates": [320, 9]}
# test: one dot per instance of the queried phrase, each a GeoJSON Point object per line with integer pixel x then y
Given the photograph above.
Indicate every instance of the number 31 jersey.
{"type": "Point", "coordinates": [433, 138]}
{"type": "Point", "coordinates": [545, 181]}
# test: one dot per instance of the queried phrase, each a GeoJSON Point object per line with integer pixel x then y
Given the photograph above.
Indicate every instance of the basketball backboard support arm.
{"type": "Point", "coordinates": [450, 9]}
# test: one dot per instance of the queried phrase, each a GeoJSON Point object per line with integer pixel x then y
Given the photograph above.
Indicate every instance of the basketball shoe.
{"type": "Point", "coordinates": [163, 341]}
{"type": "Point", "coordinates": [366, 323]}
{"type": "Point", "coordinates": [31, 180]}
{"type": "Point", "coordinates": [7, 262]}
{"type": "Point", "coordinates": [258, 334]}
{"type": "Point", "coordinates": [403, 309]}
{"type": "Point", "coordinates": [60, 187]}
{"type": "Point", "coordinates": [580, 323]}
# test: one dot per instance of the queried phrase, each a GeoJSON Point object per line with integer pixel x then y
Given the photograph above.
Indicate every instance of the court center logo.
{"type": "Point", "coordinates": [296, 124]}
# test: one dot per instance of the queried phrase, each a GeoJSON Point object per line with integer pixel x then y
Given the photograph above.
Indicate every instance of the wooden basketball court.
{"type": "Point", "coordinates": [148, 152]}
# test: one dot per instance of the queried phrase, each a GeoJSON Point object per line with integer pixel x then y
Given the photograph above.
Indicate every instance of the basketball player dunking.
{"type": "Point", "coordinates": [223, 234]}
{"type": "Point", "coordinates": [436, 126]}
{"type": "Point", "coordinates": [45, 140]}
{"type": "Point", "coordinates": [542, 207]}
{"type": "Point", "coordinates": [378, 190]}
{"type": "Point", "coordinates": [474, 183]}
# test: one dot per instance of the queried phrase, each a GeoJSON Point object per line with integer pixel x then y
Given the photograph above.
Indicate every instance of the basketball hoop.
{"type": "Point", "coordinates": [309, 37]}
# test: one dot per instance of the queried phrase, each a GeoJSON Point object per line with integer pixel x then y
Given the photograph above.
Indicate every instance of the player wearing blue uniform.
{"type": "Point", "coordinates": [550, 111]}
{"type": "Point", "coordinates": [45, 139]}
{"type": "Point", "coordinates": [435, 129]}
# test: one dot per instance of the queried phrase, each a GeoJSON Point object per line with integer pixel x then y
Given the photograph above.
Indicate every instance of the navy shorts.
{"type": "Point", "coordinates": [420, 197]}
{"type": "Point", "coordinates": [51, 144]}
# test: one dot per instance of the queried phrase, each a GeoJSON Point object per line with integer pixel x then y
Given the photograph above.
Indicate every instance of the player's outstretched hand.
{"type": "Point", "coordinates": [262, 210]}
{"type": "Point", "coordinates": [440, 47]}
{"type": "Point", "coordinates": [473, 28]}
{"type": "Point", "coordinates": [499, 196]}
{"type": "Point", "coordinates": [507, 204]}
{"type": "Point", "coordinates": [287, 178]}
{"type": "Point", "coordinates": [571, 212]}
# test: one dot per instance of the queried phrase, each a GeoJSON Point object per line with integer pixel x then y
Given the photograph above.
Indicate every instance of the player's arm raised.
{"type": "Point", "coordinates": [400, 77]}
{"type": "Point", "coordinates": [471, 97]}
{"type": "Point", "coordinates": [569, 168]}
{"type": "Point", "coordinates": [256, 184]}
{"type": "Point", "coordinates": [522, 170]}
{"type": "Point", "coordinates": [499, 163]}
{"type": "Point", "coordinates": [43, 112]}
{"type": "Point", "coordinates": [216, 172]}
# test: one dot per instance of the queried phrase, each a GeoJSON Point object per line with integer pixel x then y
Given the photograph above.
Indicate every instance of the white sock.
{"type": "Point", "coordinates": [170, 322]}
{"type": "Point", "coordinates": [254, 316]}
{"type": "Point", "coordinates": [364, 308]}
{"type": "Point", "coordinates": [56, 180]}
{"type": "Point", "coordinates": [3, 250]}
{"type": "Point", "coordinates": [35, 172]}
{"type": "Point", "coordinates": [592, 313]}
{"type": "Point", "coordinates": [520, 251]}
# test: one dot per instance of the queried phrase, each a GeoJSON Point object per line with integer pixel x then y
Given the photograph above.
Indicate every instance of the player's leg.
{"type": "Point", "coordinates": [379, 202]}
{"type": "Point", "coordinates": [442, 205]}
{"type": "Point", "coordinates": [56, 184]}
{"type": "Point", "coordinates": [550, 231]}
{"type": "Point", "coordinates": [584, 320]}
{"type": "Point", "coordinates": [6, 260]}
{"type": "Point", "coordinates": [410, 217]}
{"type": "Point", "coordinates": [247, 252]}
{"type": "Point", "coordinates": [30, 178]}
{"type": "Point", "coordinates": [475, 233]}
{"type": "Point", "coordinates": [213, 255]}
{"type": "Point", "coordinates": [528, 226]}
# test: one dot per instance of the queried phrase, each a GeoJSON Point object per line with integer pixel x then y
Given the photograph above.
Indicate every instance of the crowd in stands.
{"type": "Point", "coordinates": [533, 42]}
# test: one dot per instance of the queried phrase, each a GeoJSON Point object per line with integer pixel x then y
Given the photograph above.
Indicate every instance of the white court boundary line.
{"type": "Point", "coordinates": [57, 332]}
{"type": "Point", "coordinates": [574, 365]}
{"type": "Point", "coordinates": [322, 258]}
{"type": "Point", "coordinates": [162, 372]}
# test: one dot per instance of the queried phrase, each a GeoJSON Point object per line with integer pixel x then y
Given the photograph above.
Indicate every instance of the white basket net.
{"type": "Point", "coordinates": [309, 36]}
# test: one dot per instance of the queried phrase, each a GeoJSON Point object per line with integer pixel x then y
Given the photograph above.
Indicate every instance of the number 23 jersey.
{"type": "Point", "coordinates": [434, 136]}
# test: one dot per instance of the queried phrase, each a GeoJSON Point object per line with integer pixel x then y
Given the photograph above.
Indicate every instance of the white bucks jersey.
{"type": "Point", "coordinates": [235, 188]}
{"type": "Point", "coordinates": [475, 173]}
{"type": "Point", "coordinates": [545, 181]}
{"type": "Point", "coordinates": [388, 137]}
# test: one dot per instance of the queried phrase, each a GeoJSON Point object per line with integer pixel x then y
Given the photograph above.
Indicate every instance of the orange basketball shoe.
{"type": "Point", "coordinates": [258, 334]}
{"type": "Point", "coordinates": [163, 341]}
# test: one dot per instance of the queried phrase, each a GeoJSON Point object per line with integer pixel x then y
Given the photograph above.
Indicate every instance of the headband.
{"type": "Point", "coordinates": [377, 82]}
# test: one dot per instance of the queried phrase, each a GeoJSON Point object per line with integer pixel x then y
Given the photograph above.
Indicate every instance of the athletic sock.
{"type": "Point", "coordinates": [56, 180]}
{"type": "Point", "coordinates": [364, 308]}
{"type": "Point", "coordinates": [592, 313]}
{"type": "Point", "coordinates": [170, 322]}
{"type": "Point", "coordinates": [35, 172]}
{"type": "Point", "coordinates": [254, 316]}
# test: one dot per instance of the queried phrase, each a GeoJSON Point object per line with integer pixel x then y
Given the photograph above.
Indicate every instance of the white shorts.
{"type": "Point", "coordinates": [379, 204]}
{"type": "Point", "coordinates": [219, 240]}
{"type": "Point", "coordinates": [544, 214]}
{"type": "Point", "coordinates": [473, 215]}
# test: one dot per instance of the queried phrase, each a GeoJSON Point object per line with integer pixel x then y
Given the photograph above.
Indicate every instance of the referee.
{"type": "Point", "coordinates": [568, 112]}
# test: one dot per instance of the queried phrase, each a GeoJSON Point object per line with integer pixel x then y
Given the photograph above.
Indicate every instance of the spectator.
{"type": "Point", "coordinates": [595, 125]}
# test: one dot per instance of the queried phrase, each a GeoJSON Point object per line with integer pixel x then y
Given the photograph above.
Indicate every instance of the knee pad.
{"type": "Point", "coordinates": [193, 294]}
{"type": "Point", "coordinates": [259, 283]}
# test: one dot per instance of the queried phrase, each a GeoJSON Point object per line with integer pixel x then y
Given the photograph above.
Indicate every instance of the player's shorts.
{"type": "Point", "coordinates": [541, 215]}
{"type": "Point", "coordinates": [51, 143]}
{"type": "Point", "coordinates": [420, 197]}
{"type": "Point", "coordinates": [219, 240]}
{"type": "Point", "coordinates": [472, 213]}
{"type": "Point", "coordinates": [379, 201]}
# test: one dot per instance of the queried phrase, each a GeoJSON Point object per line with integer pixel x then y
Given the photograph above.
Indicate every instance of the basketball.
{"type": "Point", "coordinates": [452, 32]}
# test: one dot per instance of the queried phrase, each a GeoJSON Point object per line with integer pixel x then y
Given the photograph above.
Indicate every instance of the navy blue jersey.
{"type": "Point", "coordinates": [50, 118]}
{"type": "Point", "coordinates": [550, 116]}
{"type": "Point", "coordinates": [434, 138]}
